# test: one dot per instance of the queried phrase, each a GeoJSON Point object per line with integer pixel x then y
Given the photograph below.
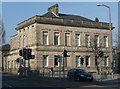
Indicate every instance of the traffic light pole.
{"type": "Point", "coordinates": [26, 54]}
{"type": "Point", "coordinates": [64, 60]}
{"type": "Point", "coordinates": [63, 69]}
{"type": "Point", "coordinates": [60, 70]}
{"type": "Point", "coordinates": [28, 64]}
{"type": "Point", "coordinates": [25, 71]}
{"type": "Point", "coordinates": [63, 66]}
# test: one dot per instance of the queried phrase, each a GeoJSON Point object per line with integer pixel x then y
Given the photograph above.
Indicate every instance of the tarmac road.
{"type": "Point", "coordinates": [13, 81]}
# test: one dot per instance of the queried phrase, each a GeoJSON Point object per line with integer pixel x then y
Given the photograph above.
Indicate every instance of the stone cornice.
{"type": "Point", "coordinates": [62, 22]}
{"type": "Point", "coordinates": [26, 23]}
{"type": "Point", "coordinates": [13, 36]}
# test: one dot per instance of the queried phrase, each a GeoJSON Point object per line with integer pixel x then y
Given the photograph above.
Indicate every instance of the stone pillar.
{"type": "Point", "coordinates": [84, 64]}
{"type": "Point", "coordinates": [51, 60]}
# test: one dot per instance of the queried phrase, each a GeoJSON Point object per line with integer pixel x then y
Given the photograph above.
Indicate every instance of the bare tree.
{"type": "Point", "coordinates": [2, 41]}
{"type": "Point", "coordinates": [96, 46]}
{"type": "Point", "coordinates": [2, 33]}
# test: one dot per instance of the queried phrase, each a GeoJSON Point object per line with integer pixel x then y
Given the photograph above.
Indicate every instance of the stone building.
{"type": "Point", "coordinates": [5, 49]}
{"type": "Point", "coordinates": [49, 34]}
{"type": "Point", "coordinates": [116, 60]}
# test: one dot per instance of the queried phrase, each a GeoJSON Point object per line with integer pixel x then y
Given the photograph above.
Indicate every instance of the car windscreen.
{"type": "Point", "coordinates": [82, 71]}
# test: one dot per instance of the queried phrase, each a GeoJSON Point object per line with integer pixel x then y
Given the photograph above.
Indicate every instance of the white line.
{"type": "Point", "coordinates": [7, 85]}
{"type": "Point", "coordinates": [93, 86]}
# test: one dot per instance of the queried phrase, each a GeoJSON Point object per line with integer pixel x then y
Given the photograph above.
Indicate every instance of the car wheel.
{"type": "Point", "coordinates": [78, 78]}
{"type": "Point", "coordinates": [91, 79]}
{"type": "Point", "coordinates": [68, 77]}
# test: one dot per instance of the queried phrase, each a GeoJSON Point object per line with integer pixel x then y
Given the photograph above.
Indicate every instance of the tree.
{"type": "Point", "coordinates": [2, 33]}
{"type": "Point", "coordinates": [2, 41]}
{"type": "Point", "coordinates": [96, 46]}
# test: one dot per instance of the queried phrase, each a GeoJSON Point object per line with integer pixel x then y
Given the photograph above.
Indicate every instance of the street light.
{"type": "Point", "coordinates": [103, 5]}
{"type": "Point", "coordinates": [110, 27]}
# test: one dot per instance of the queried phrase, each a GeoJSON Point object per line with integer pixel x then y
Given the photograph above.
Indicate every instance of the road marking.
{"type": "Point", "coordinates": [7, 85]}
{"type": "Point", "coordinates": [93, 86]}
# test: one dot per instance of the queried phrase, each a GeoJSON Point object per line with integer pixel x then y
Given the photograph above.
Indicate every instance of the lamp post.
{"type": "Point", "coordinates": [110, 28]}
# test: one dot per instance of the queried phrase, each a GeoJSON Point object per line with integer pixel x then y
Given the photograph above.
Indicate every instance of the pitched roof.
{"type": "Point", "coordinates": [67, 16]}
{"type": "Point", "coordinates": [64, 20]}
{"type": "Point", "coordinates": [48, 14]}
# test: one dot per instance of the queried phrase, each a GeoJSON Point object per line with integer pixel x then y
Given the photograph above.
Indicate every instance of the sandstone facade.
{"type": "Point", "coordinates": [60, 34]}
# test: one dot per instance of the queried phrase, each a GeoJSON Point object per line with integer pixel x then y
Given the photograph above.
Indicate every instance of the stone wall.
{"type": "Point", "coordinates": [34, 39]}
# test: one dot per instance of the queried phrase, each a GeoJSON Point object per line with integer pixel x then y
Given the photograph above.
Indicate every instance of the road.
{"type": "Point", "coordinates": [13, 81]}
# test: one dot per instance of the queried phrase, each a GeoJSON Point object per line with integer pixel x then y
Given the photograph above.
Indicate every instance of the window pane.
{"type": "Point", "coordinates": [87, 38]}
{"type": "Point", "coordinates": [77, 39]}
{"type": "Point", "coordinates": [96, 41]}
{"type": "Point", "coordinates": [56, 61]}
{"type": "Point", "coordinates": [105, 41]}
{"type": "Point", "coordinates": [96, 60]}
{"type": "Point", "coordinates": [45, 38]}
{"type": "Point", "coordinates": [45, 60]}
{"type": "Point", "coordinates": [56, 38]}
{"type": "Point", "coordinates": [67, 39]}
{"type": "Point", "coordinates": [106, 61]}
{"type": "Point", "coordinates": [87, 60]}
{"type": "Point", "coordinates": [81, 61]}
{"type": "Point", "coordinates": [77, 61]}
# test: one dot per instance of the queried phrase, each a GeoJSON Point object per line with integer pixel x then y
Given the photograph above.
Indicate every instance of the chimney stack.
{"type": "Point", "coordinates": [96, 19]}
{"type": "Point", "coordinates": [53, 9]}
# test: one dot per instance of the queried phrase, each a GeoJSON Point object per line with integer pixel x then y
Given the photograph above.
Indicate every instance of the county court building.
{"type": "Point", "coordinates": [49, 34]}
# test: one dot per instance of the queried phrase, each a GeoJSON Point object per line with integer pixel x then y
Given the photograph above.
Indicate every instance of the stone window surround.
{"type": "Point", "coordinates": [45, 32]}
{"type": "Point", "coordinates": [69, 40]}
{"type": "Point", "coordinates": [87, 43]}
{"type": "Point", "coordinates": [58, 34]}
{"type": "Point", "coordinates": [45, 57]}
{"type": "Point", "coordinates": [79, 39]}
{"type": "Point", "coordinates": [97, 39]}
{"type": "Point", "coordinates": [106, 44]}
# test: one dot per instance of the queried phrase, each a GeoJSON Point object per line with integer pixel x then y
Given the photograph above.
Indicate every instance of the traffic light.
{"type": "Point", "coordinates": [17, 60]}
{"type": "Point", "coordinates": [26, 53]}
{"type": "Point", "coordinates": [101, 53]}
{"type": "Point", "coordinates": [65, 53]}
{"type": "Point", "coordinates": [20, 52]}
{"type": "Point", "coordinates": [29, 53]}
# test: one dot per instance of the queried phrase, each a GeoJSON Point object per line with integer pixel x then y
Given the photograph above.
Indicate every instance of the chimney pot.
{"type": "Point", "coordinates": [54, 9]}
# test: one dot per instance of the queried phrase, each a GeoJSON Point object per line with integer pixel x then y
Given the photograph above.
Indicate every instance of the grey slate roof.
{"type": "Point", "coordinates": [63, 20]}
{"type": "Point", "coordinates": [67, 16]}
{"type": "Point", "coordinates": [48, 14]}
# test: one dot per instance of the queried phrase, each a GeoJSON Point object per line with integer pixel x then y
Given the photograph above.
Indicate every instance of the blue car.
{"type": "Point", "coordinates": [79, 74]}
